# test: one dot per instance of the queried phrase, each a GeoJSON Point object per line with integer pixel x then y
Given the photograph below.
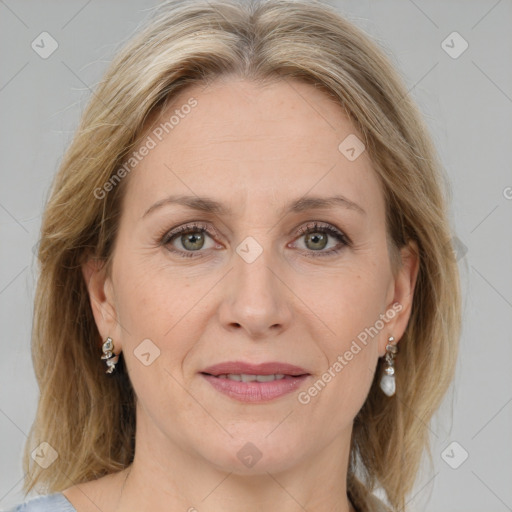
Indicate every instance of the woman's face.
{"type": "Point", "coordinates": [255, 264]}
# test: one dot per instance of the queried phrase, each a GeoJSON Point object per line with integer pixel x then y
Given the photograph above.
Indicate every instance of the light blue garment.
{"type": "Point", "coordinates": [55, 502]}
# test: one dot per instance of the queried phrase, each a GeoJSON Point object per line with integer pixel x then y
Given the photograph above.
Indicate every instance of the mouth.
{"type": "Point", "coordinates": [247, 382]}
{"type": "Point", "coordinates": [247, 377]}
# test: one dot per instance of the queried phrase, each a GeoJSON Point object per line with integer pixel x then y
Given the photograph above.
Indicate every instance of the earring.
{"type": "Point", "coordinates": [387, 382]}
{"type": "Point", "coordinates": [111, 360]}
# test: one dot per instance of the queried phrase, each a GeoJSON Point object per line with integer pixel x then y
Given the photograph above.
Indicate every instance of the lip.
{"type": "Point", "coordinates": [269, 368]}
{"type": "Point", "coordinates": [255, 391]}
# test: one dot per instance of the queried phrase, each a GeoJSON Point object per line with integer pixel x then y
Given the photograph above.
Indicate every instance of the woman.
{"type": "Point", "coordinates": [248, 298]}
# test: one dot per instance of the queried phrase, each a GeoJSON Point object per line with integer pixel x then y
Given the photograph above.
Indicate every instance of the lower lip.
{"type": "Point", "coordinates": [255, 391]}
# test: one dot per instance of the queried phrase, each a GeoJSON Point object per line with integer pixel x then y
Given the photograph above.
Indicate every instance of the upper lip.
{"type": "Point", "coordinates": [269, 368]}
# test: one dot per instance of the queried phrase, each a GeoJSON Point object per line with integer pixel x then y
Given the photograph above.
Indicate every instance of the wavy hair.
{"type": "Point", "coordinates": [89, 417]}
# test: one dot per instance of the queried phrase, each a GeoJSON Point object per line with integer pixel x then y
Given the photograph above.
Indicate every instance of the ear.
{"type": "Point", "coordinates": [101, 296]}
{"type": "Point", "coordinates": [401, 295]}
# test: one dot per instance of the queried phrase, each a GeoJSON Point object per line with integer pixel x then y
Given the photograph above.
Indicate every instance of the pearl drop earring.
{"type": "Point", "coordinates": [387, 382]}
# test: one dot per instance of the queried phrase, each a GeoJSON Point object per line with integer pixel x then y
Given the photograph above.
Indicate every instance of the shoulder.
{"type": "Point", "coordinates": [55, 502]}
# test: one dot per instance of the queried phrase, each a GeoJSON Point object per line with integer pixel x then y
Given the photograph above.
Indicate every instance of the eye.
{"type": "Point", "coordinates": [188, 239]}
{"type": "Point", "coordinates": [316, 239]}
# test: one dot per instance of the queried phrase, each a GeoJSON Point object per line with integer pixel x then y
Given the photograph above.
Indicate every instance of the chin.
{"type": "Point", "coordinates": [256, 454]}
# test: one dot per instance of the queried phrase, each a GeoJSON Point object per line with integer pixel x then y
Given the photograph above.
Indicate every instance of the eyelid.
{"type": "Point", "coordinates": [331, 230]}
{"type": "Point", "coordinates": [184, 228]}
{"type": "Point", "coordinates": [309, 227]}
{"type": "Point", "coordinates": [316, 224]}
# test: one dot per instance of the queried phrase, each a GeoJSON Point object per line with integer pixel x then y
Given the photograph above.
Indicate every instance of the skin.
{"type": "Point", "coordinates": [255, 149]}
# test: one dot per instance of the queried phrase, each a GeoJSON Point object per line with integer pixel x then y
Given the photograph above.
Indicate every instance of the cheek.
{"type": "Point", "coordinates": [162, 314]}
{"type": "Point", "coordinates": [149, 297]}
{"type": "Point", "coordinates": [156, 335]}
{"type": "Point", "coordinates": [340, 390]}
{"type": "Point", "coordinates": [348, 302]}
{"type": "Point", "coordinates": [352, 306]}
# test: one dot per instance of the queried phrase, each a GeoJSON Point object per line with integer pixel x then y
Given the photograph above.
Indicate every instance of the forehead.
{"type": "Point", "coordinates": [261, 141]}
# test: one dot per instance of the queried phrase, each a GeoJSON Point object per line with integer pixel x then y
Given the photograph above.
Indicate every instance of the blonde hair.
{"type": "Point", "coordinates": [88, 417]}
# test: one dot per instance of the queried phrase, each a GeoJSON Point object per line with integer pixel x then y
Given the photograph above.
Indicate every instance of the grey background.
{"type": "Point", "coordinates": [467, 103]}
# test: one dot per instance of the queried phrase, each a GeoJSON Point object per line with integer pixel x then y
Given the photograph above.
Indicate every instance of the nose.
{"type": "Point", "coordinates": [256, 298]}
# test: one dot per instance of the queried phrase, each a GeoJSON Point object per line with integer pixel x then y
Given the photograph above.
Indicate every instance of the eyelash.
{"type": "Point", "coordinates": [314, 227]}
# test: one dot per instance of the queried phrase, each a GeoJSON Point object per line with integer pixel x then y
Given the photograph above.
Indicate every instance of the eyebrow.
{"type": "Point", "coordinates": [208, 205]}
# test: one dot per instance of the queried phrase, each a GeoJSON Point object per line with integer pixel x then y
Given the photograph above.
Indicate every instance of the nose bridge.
{"type": "Point", "coordinates": [255, 300]}
{"type": "Point", "coordinates": [255, 283]}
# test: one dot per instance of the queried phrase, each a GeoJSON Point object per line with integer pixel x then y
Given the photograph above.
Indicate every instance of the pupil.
{"type": "Point", "coordinates": [316, 238]}
{"type": "Point", "coordinates": [192, 239]}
